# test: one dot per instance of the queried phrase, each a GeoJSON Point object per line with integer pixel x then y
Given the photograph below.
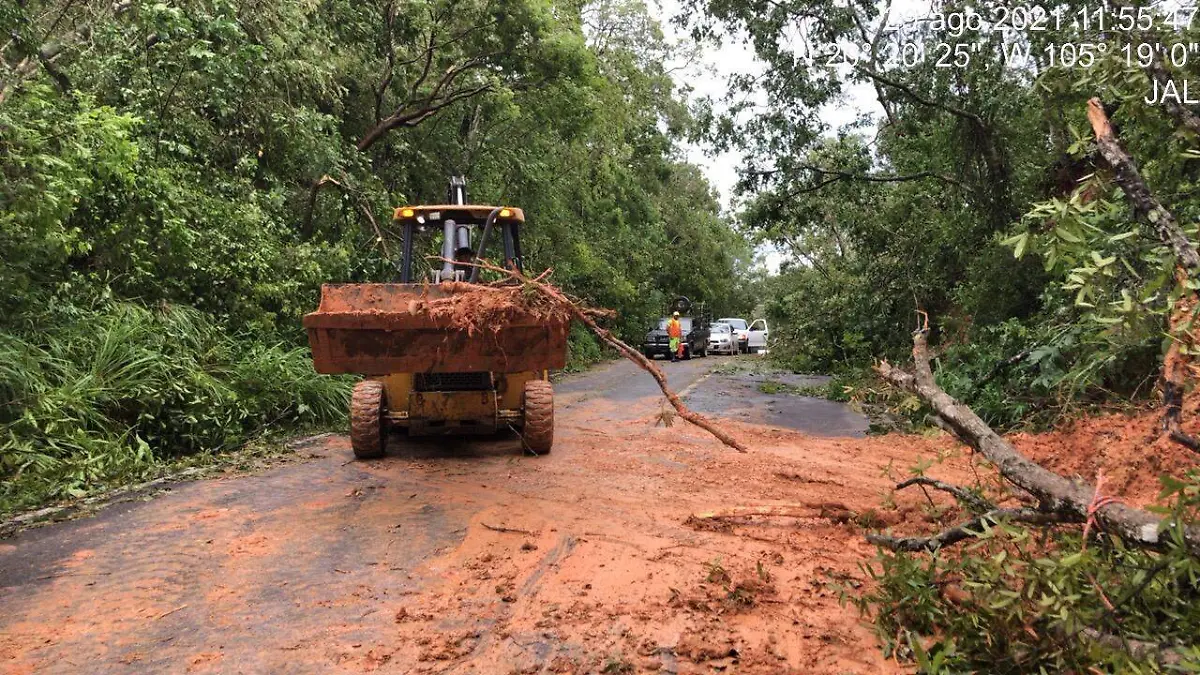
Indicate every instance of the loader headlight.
{"type": "Point", "coordinates": [505, 213]}
{"type": "Point", "coordinates": [407, 213]}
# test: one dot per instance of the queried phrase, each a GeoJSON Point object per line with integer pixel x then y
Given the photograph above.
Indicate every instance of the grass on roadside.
{"type": "Point", "coordinates": [124, 392]}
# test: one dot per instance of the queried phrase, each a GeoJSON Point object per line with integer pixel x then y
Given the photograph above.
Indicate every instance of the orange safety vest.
{"type": "Point", "coordinates": [674, 329]}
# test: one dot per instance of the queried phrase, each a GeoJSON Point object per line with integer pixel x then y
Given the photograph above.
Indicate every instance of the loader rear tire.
{"type": "Point", "coordinates": [368, 433]}
{"type": "Point", "coordinates": [538, 433]}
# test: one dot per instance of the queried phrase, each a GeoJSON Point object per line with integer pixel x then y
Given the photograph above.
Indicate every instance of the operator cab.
{"type": "Point", "coordinates": [459, 222]}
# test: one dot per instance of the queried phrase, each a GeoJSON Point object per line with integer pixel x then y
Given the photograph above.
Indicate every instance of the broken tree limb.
{"type": "Point", "coordinates": [1001, 366]}
{"type": "Point", "coordinates": [963, 494]}
{"type": "Point", "coordinates": [970, 529]}
{"type": "Point", "coordinates": [1055, 494]}
{"type": "Point", "coordinates": [584, 316]}
{"type": "Point", "coordinates": [1145, 205]}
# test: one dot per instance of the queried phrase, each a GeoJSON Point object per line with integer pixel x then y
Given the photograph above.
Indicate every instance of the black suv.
{"type": "Point", "coordinates": [695, 338]}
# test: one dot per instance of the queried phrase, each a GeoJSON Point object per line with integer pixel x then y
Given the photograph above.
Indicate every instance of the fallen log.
{"type": "Point", "coordinates": [1055, 494]}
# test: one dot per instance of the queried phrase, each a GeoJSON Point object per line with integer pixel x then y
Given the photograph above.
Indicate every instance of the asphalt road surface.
{"type": "Point", "coordinates": [461, 555]}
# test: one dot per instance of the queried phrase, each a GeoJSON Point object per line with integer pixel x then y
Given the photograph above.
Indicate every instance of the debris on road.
{"type": "Point", "coordinates": [585, 315]}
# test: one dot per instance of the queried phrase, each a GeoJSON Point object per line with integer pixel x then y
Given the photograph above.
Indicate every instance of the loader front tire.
{"type": "Point", "coordinates": [538, 432]}
{"type": "Point", "coordinates": [368, 432]}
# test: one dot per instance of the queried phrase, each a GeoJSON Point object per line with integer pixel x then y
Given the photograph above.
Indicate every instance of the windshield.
{"type": "Point", "coordinates": [738, 324]}
{"type": "Point", "coordinates": [685, 323]}
{"type": "Point", "coordinates": [720, 328]}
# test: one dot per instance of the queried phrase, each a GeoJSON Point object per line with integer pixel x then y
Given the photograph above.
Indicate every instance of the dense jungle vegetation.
{"type": "Point", "coordinates": [975, 190]}
{"type": "Point", "coordinates": [178, 178]}
{"type": "Point", "coordinates": [948, 173]}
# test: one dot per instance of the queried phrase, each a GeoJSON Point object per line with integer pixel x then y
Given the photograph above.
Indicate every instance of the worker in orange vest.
{"type": "Point", "coordinates": [675, 332]}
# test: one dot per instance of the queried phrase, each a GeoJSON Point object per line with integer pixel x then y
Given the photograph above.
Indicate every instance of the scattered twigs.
{"type": "Point", "coordinates": [514, 530]}
{"type": "Point", "coordinates": [817, 510]}
{"type": "Point", "coordinates": [963, 494]}
{"type": "Point", "coordinates": [971, 528]}
{"type": "Point", "coordinates": [1056, 495]}
{"type": "Point", "coordinates": [585, 317]}
{"type": "Point", "coordinates": [170, 612]}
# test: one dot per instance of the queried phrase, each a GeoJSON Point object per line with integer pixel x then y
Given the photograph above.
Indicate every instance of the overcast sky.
{"type": "Point", "coordinates": [709, 78]}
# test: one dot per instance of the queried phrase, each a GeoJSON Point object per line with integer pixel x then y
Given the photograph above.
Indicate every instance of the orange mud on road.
{"type": "Point", "coordinates": [464, 556]}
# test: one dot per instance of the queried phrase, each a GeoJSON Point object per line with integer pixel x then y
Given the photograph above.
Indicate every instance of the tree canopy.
{"type": "Point", "coordinates": [229, 157]}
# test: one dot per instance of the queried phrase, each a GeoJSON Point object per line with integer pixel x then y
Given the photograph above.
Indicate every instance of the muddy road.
{"type": "Point", "coordinates": [465, 556]}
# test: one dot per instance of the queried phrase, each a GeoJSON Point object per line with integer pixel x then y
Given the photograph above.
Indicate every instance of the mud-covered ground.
{"type": "Point", "coordinates": [465, 556]}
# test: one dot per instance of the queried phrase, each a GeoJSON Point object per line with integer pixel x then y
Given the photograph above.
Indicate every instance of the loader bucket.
{"type": "Point", "coordinates": [379, 329]}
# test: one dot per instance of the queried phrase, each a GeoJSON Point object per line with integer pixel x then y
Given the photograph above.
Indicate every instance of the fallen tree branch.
{"type": "Point", "coordinates": [55, 513]}
{"type": "Point", "coordinates": [585, 317]}
{"type": "Point", "coordinates": [1147, 207]}
{"type": "Point", "coordinates": [1000, 367]}
{"type": "Point", "coordinates": [1056, 495]}
{"type": "Point", "coordinates": [961, 493]}
{"type": "Point", "coordinates": [968, 530]}
{"type": "Point", "coordinates": [1142, 650]}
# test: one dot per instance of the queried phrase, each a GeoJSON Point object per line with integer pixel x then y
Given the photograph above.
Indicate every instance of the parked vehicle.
{"type": "Point", "coordinates": [756, 340]}
{"type": "Point", "coordinates": [695, 339]}
{"type": "Point", "coordinates": [740, 329]}
{"type": "Point", "coordinates": [721, 339]}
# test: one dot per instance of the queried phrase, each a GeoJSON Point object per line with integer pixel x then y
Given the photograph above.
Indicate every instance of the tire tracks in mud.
{"type": "Point", "coordinates": [337, 566]}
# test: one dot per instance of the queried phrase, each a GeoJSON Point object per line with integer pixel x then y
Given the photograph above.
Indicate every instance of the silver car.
{"type": "Point", "coordinates": [721, 339]}
{"type": "Point", "coordinates": [741, 331]}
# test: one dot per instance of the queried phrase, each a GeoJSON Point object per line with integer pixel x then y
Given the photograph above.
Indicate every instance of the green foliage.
{"type": "Point", "coordinates": [231, 158]}
{"type": "Point", "coordinates": [920, 207]}
{"type": "Point", "coordinates": [925, 209]}
{"type": "Point", "coordinates": [1019, 600]}
{"type": "Point", "coordinates": [583, 349]}
{"type": "Point", "coordinates": [107, 395]}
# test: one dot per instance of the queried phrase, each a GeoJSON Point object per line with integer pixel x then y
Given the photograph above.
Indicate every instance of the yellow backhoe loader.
{"type": "Point", "coordinates": [424, 373]}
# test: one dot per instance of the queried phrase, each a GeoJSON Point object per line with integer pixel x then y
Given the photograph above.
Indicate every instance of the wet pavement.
{"type": "Point", "coordinates": [313, 566]}
{"type": "Point", "coordinates": [733, 396]}
{"type": "Point", "coordinates": [741, 397]}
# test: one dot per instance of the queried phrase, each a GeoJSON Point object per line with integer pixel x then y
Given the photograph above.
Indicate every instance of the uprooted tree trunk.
{"type": "Point", "coordinates": [1187, 259]}
{"type": "Point", "coordinates": [584, 316]}
{"type": "Point", "coordinates": [1057, 497]}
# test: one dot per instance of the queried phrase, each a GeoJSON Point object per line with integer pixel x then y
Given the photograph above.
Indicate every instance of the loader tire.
{"type": "Point", "coordinates": [368, 433]}
{"type": "Point", "coordinates": [538, 433]}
